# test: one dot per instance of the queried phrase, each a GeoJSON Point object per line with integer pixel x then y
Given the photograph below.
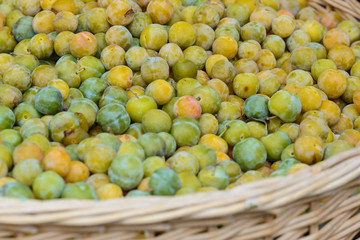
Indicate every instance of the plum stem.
{"type": "Point", "coordinates": [133, 93]}
{"type": "Point", "coordinates": [80, 70]}
{"type": "Point", "coordinates": [226, 128]}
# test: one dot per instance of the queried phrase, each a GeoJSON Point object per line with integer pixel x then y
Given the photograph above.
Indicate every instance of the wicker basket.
{"type": "Point", "coordinates": [315, 203]}
{"type": "Point", "coordinates": [347, 9]}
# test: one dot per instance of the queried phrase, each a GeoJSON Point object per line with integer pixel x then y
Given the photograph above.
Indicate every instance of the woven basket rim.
{"type": "Point", "coordinates": [260, 196]}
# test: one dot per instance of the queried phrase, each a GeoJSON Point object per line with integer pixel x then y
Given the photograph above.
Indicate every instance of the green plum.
{"type": "Point", "coordinates": [133, 148]}
{"type": "Point", "coordinates": [34, 126]}
{"type": "Point", "coordinates": [337, 147]}
{"type": "Point", "coordinates": [205, 155]}
{"type": "Point", "coordinates": [7, 118]}
{"type": "Point", "coordinates": [278, 173]}
{"type": "Point", "coordinates": [109, 140]}
{"type": "Point", "coordinates": [208, 98]}
{"type": "Point", "coordinates": [113, 118]}
{"type": "Point", "coordinates": [25, 111]}
{"type": "Point", "coordinates": [164, 181]}
{"type": "Point", "coordinates": [138, 106]}
{"type": "Point", "coordinates": [137, 193]}
{"type": "Point", "coordinates": [48, 185]}
{"type": "Point", "coordinates": [256, 106]}
{"type": "Point", "coordinates": [156, 121]}
{"type": "Point", "coordinates": [135, 130]}
{"type": "Point", "coordinates": [275, 143]}
{"type": "Point", "coordinates": [68, 71]}
{"type": "Point", "coordinates": [6, 150]}
{"type": "Point", "coordinates": [288, 152]}
{"type": "Point", "coordinates": [234, 131]}
{"type": "Point", "coordinates": [232, 168]}
{"type": "Point", "coordinates": [184, 68]}
{"type": "Point", "coordinates": [170, 143]}
{"type": "Point", "coordinates": [29, 61]}
{"type": "Point", "coordinates": [18, 76]}
{"type": "Point", "coordinates": [186, 131]}
{"type": "Point", "coordinates": [152, 144]}
{"type": "Point", "coordinates": [250, 154]}
{"type": "Point", "coordinates": [10, 96]}
{"type": "Point", "coordinates": [23, 28]}
{"type": "Point", "coordinates": [151, 164]}
{"type": "Point", "coordinates": [86, 107]}
{"type": "Point", "coordinates": [285, 105]}
{"type": "Point", "coordinates": [26, 171]}
{"type": "Point", "coordinates": [29, 95]}
{"type": "Point", "coordinates": [12, 136]}
{"type": "Point", "coordinates": [74, 93]}
{"type": "Point", "coordinates": [186, 86]}
{"type": "Point", "coordinates": [185, 191]}
{"type": "Point", "coordinates": [154, 68]}
{"type": "Point", "coordinates": [169, 107]}
{"type": "Point", "coordinates": [228, 111]}
{"type": "Point", "coordinates": [184, 162]}
{"type": "Point", "coordinates": [62, 125]}
{"type": "Point", "coordinates": [79, 190]}
{"type": "Point", "coordinates": [214, 176]}
{"type": "Point", "coordinates": [16, 190]}
{"type": "Point", "coordinates": [48, 100]}
{"type": "Point", "coordinates": [257, 129]}
{"type": "Point", "coordinates": [113, 94]}
{"type": "Point", "coordinates": [93, 88]}
{"type": "Point", "coordinates": [85, 145]}
{"type": "Point", "coordinates": [126, 171]}
{"type": "Point", "coordinates": [286, 164]}
{"type": "Point", "coordinates": [90, 66]}
{"type": "Point", "coordinates": [72, 151]}
{"type": "Point", "coordinates": [189, 180]}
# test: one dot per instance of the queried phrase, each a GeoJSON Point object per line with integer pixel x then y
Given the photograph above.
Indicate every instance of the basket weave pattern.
{"type": "Point", "coordinates": [347, 9]}
{"type": "Point", "coordinates": [314, 203]}
{"type": "Point", "coordinates": [318, 202]}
